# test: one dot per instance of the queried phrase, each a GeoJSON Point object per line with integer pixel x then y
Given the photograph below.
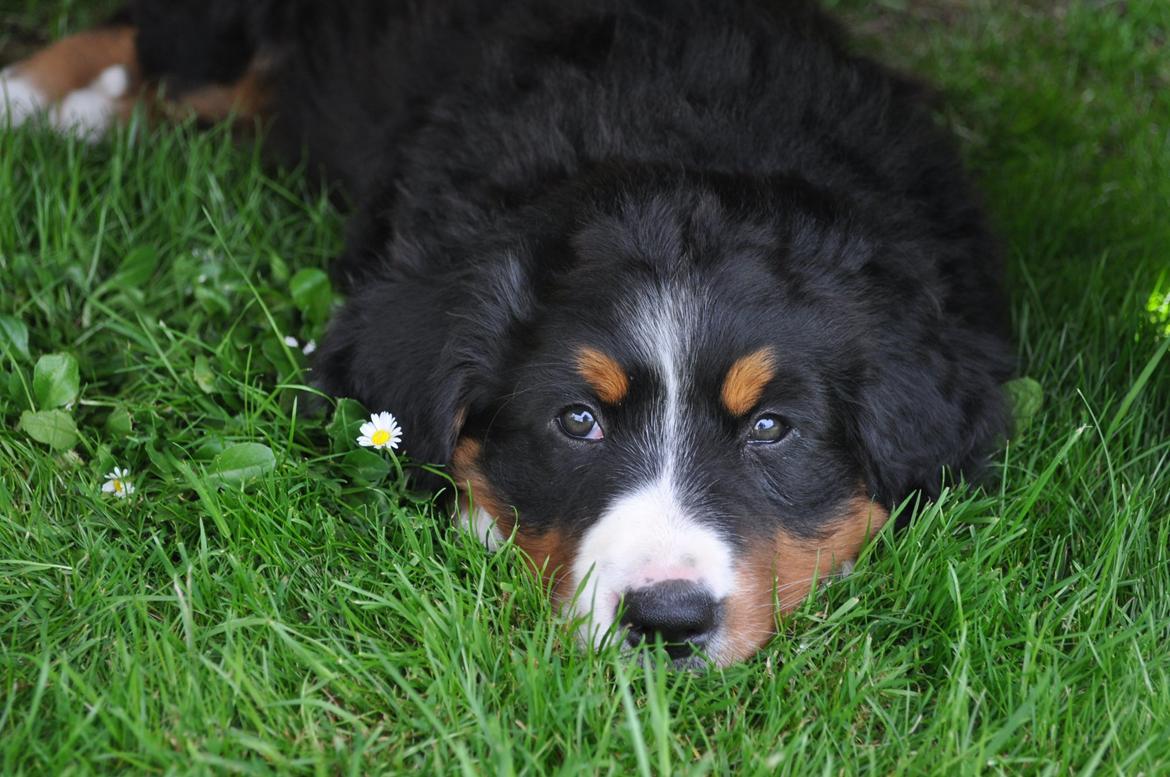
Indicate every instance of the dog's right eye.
{"type": "Point", "coordinates": [768, 428]}
{"type": "Point", "coordinates": [578, 421]}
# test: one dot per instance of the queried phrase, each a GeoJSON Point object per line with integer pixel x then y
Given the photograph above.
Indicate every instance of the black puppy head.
{"type": "Point", "coordinates": [426, 347]}
{"type": "Point", "coordinates": [681, 397]}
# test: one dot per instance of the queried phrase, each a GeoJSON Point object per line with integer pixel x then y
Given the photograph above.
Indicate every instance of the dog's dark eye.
{"type": "Point", "coordinates": [768, 428]}
{"type": "Point", "coordinates": [578, 421]}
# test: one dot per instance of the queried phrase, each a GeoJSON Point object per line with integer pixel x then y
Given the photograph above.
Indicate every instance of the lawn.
{"type": "Point", "coordinates": [269, 600]}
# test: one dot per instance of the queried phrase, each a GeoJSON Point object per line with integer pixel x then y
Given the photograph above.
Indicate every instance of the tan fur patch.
{"type": "Point", "coordinates": [550, 554]}
{"type": "Point", "coordinates": [788, 566]}
{"type": "Point", "coordinates": [746, 380]}
{"type": "Point", "coordinates": [245, 101]}
{"type": "Point", "coordinates": [473, 486]}
{"type": "Point", "coordinates": [604, 374]}
{"type": "Point", "coordinates": [74, 62]}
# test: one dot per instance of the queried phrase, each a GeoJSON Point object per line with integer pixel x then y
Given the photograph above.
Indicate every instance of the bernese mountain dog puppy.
{"type": "Point", "coordinates": [686, 295]}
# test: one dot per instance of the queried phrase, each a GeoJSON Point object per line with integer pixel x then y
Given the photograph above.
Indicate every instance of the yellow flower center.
{"type": "Point", "coordinates": [380, 437]}
{"type": "Point", "coordinates": [117, 486]}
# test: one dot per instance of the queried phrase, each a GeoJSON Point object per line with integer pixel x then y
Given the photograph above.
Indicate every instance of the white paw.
{"type": "Point", "coordinates": [87, 113]}
{"type": "Point", "coordinates": [480, 525]}
{"type": "Point", "coordinates": [113, 81]}
{"type": "Point", "coordinates": [19, 99]}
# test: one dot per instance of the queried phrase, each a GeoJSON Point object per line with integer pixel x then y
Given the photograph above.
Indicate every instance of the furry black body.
{"type": "Point", "coordinates": [685, 179]}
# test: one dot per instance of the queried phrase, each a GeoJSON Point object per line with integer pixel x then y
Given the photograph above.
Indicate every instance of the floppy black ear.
{"type": "Point", "coordinates": [938, 405]}
{"type": "Point", "coordinates": [424, 347]}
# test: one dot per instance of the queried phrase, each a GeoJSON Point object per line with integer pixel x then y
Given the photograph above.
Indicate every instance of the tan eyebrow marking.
{"type": "Point", "coordinates": [604, 374]}
{"type": "Point", "coordinates": [746, 380]}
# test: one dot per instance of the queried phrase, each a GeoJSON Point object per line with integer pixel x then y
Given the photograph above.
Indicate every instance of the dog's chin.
{"type": "Point", "coordinates": [683, 658]}
{"type": "Point", "coordinates": [697, 662]}
{"type": "Point", "coordinates": [679, 659]}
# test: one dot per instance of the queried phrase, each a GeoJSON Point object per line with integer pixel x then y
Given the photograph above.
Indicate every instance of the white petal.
{"type": "Point", "coordinates": [108, 487]}
{"type": "Point", "coordinates": [291, 341]}
{"type": "Point", "coordinates": [309, 347]}
{"type": "Point", "coordinates": [127, 488]}
{"type": "Point", "coordinates": [368, 429]}
{"type": "Point", "coordinates": [365, 441]}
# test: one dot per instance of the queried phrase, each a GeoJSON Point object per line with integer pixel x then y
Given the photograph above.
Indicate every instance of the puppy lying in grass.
{"type": "Point", "coordinates": [685, 296]}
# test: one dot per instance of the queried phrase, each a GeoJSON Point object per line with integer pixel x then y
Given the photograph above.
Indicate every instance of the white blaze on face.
{"type": "Point", "coordinates": [644, 537]}
{"type": "Point", "coordinates": [649, 533]}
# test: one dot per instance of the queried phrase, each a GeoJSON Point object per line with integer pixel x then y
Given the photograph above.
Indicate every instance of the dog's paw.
{"type": "Point", "coordinates": [88, 113]}
{"type": "Point", "coordinates": [479, 524]}
{"type": "Point", "coordinates": [19, 99]}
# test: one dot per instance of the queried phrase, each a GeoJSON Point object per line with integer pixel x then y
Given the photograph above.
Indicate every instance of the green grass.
{"type": "Point", "coordinates": [316, 622]}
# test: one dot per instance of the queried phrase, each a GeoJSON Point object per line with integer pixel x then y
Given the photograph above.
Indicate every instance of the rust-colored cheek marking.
{"type": "Point", "coordinates": [746, 380]}
{"type": "Point", "coordinates": [604, 374]}
{"type": "Point", "coordinates": [473, 485]}
{"type": "Point", "coordinates": [791, 563]}
{"type": "Point", "coordinates": [550, 554]}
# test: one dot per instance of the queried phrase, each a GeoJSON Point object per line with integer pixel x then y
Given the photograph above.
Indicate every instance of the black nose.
{"type": "Point", "coordinates": [681, 612]}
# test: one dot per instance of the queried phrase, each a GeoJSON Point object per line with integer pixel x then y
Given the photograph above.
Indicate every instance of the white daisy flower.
{"type": "Point", "coordinates": [117, 484]}
{"type": "Point", "coordinates": [381, 431]}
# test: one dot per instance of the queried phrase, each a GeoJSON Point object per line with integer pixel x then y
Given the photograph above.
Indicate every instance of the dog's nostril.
{"type": "Point", "coordinates": [680, 611]}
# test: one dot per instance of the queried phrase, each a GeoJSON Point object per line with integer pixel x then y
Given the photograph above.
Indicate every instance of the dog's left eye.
{"type": "Point", "coordinates": [768, 428]}
{"type": "Point", "coordinates": [578, 421]}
